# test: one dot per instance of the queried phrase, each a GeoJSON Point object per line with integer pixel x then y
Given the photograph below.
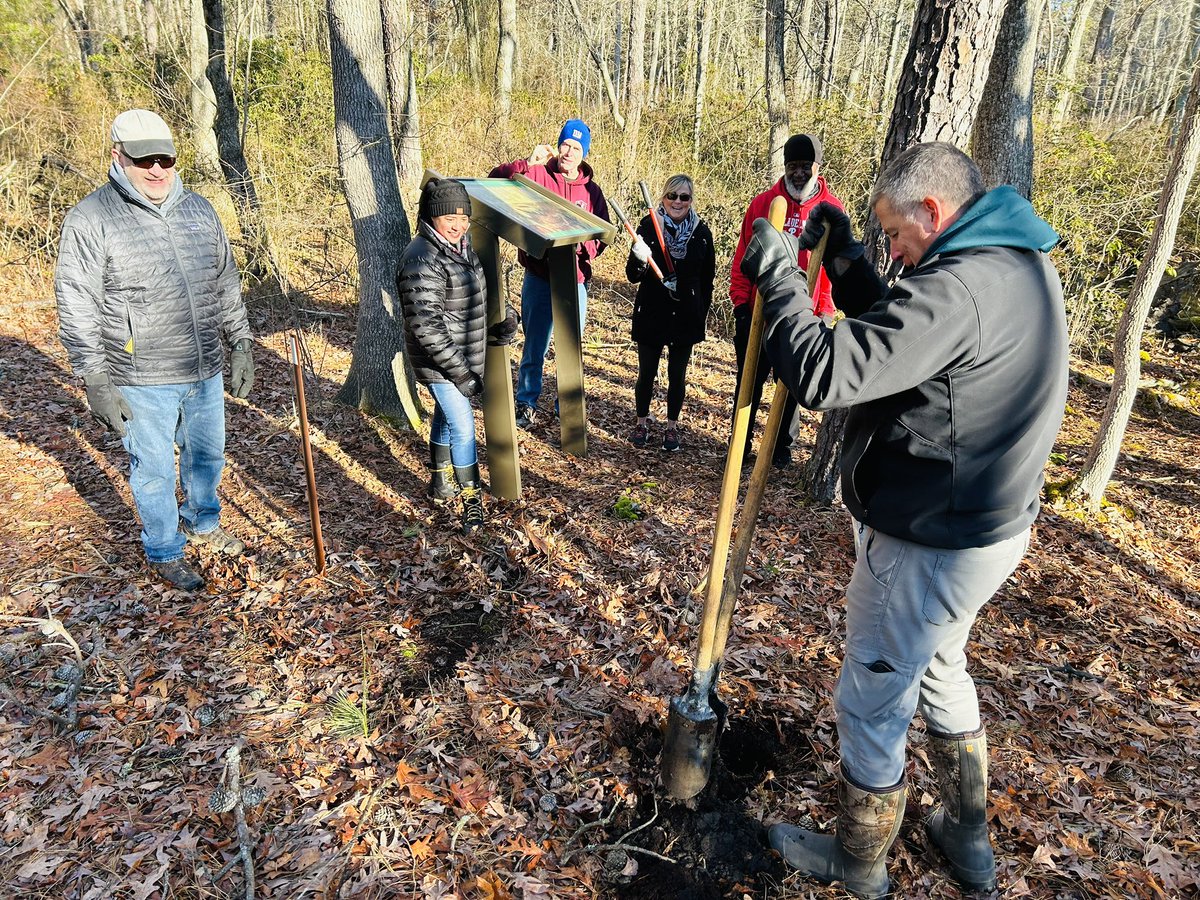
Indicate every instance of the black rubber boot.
{"type": "Point", "coordinates": [959, 827]}
{"type": "Point", "coordinates": [472, 497]}
{"type": "Point", "coordinates": [442, 485]}
{"type": "Point", "coordinates": [867, 824]}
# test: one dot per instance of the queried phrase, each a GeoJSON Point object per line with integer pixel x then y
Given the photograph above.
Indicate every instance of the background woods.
{"type": "Point", "coordinates": [443, 718]}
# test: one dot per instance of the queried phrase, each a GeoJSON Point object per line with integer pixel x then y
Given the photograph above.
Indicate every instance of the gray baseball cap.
{"type": "Point", "coordinates": [142, 133]}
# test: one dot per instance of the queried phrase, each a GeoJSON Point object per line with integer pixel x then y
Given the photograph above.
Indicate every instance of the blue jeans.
{"type": "Point", "coordinates": [909, 612]}
{"type": "Point", "coordinates": [537, 318]}
{"type": "Point", "coordinates": [453, 424]}
{"type": "Point", "coordinates": [192, 417]}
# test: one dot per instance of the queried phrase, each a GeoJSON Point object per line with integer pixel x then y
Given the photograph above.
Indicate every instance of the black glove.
{"type": "Point", "coordinates": [241, 369]}
{"type": "Point", "coordinates": [504, 332]}
{"type": "Point", "coordinates": [469, 385]}
{"type": "Point", "coordinates": [770, 256]}
{"type": "Point", "coordinates": [825, 216]}
{"type": "Point", "coordinates": [106, 402]}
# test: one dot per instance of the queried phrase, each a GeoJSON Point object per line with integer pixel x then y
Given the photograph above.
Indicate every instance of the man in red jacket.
{"type": "Point", "coordinates": [564, 172]}
{"type": "Point", "coordinates": [803, 188]}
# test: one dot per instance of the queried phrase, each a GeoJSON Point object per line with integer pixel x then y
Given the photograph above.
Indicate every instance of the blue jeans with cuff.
{"type": "Point", "coordinates": [537, 320]}
{"type": "Point", "coordinates": [165, 416]}
{"type": "Point", "coordinates": [909, 612]}
{"type": "Point", "coordinates": [453, 424]}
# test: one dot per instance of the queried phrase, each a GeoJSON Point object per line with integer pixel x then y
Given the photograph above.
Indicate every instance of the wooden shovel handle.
{"type": "Point", "coordinates": [758, 485]}
{"type": "Point", "coordinates": [620, 213]}
{"type": "Point", "coordinates": [657, 227]}
{"type": "Point", "coordinates": [729, 484]}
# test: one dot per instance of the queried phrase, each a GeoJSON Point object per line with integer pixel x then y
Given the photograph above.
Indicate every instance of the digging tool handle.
{"type": "Point", "coordinates": [612, 204]}
{"type": "Point", "coordinates": [758, 485]}
{"type": "Point", "coordinates": [314, 511]}
{"type": "Point", "coordinates": [657, 227]}
{"type": "Point", "coordinates": [705, 658]}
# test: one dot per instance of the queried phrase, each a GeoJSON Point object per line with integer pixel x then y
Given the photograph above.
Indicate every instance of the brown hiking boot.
{"type": "Point", "coordinates": [216, 541]}
{"type": "Point", "coordinates": [178, 573]}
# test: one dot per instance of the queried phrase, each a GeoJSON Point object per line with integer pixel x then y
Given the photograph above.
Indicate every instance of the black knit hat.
{"type": "Point", "coordinates": [803, 148]}
{"type": "Point", "coordinates": [444, 197]}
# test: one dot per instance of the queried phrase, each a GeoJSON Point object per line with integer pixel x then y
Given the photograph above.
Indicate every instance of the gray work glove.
{"type": "Point", "coordinates": [469, 385]}
{"type": "Point", "coordinates": [504, 332]}
{"type": "Point", "coordinates": [825, 216]}
{"type": "Point", "coordinates": [770, 257]}
{"type": "Point", "coordinates": [241, 369]}
{"type": "Point", "coordinates": [107, 403]}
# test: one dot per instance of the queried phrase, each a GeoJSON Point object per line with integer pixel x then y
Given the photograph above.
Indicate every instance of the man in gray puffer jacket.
{"type": "Point", "coordinates": [147, 292]}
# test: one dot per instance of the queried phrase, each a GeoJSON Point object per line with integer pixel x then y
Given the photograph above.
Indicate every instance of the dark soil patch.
{"type": "Point", "coordinates": [442, 640]}
{"type": "Point", "coordinates": [717, 849]}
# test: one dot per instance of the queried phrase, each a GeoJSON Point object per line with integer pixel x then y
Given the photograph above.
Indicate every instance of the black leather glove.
{"type": "Point", "coordinates": [106, 402]}
{"type": "Point", "coordinates": [241, 369]}
{"type": "Point", "coordinates": [770, 256]}
{"type": "Point", "coordinates": [469, 385]}
{"type": "Point", "coordinates": [504, 332]}
{"type": "Point", "coordinates": [825, 216]}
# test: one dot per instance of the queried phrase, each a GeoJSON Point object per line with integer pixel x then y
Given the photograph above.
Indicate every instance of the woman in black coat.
{"type": "Point", "coordinates": [665, 317]}
{"type": "Point", "coordinates": [443, 296]}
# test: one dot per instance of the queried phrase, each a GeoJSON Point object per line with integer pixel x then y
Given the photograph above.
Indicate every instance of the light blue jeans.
{"type": "Point", "coordinates": [166, 416]}
{"type": "Point", "coordinates": [453, 424]}
{"type": "Point", "coordinates": [909, 612]}
{"type": "Point", "coordinates": [537, 319]}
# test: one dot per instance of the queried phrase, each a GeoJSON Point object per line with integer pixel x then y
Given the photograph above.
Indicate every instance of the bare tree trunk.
{"type": "Point", "coordinates": [777, 107]}
{"type": "Point", "coordinates": [202, 100]}
{"type": "Point", "coordinates": [506, 53]}
{"type": "Point", "coordinates": [942, 83]}
{"type": "Point", "coordinates": [636, 90]}
{"type": "Point", "coordinates": [893, 57]}
{"type": "Point", "coordinates": [150, 24]}
{"type": "Point", "coordinates": [1093, 93]}
{"type": "Point", "coordinates": [403, 106]}
{"type": "Point", "coordinates": [380, 379]}
{"type": "Point", "coordinates": [1116, 95]}
{"type": "Point", "coordinates": [81, 30]}
{"type": "Point", "coordinates": [808, 71]}
{"type": "Point", "coordinates": [704, 28]}
{"type": "Point", "coordinates": [829, 47]}
{"type": "Point", "coordinates": [1067, 87]}
{"type": "Point", "coordinates": [601, 66]}
{"type": "Point", "coordinates": [1003, 139]}
{"type": "Point", "coordinates": [1102, 458]}
{"type": "Point", "coordinates": [260, 261]}
{"type": "Point", "coordinates": [655, 49]}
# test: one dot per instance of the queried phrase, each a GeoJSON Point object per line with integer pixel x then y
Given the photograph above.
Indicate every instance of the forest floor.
{"type": "Point", "coordinates": [515, 682]}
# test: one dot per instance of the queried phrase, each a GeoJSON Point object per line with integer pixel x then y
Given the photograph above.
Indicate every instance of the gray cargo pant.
{"type": "Point", "coordinates": [909, 611]}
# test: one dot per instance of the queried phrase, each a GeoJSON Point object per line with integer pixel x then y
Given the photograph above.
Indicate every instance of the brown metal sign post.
{"type": "Point", "coordinates": [314, 512]}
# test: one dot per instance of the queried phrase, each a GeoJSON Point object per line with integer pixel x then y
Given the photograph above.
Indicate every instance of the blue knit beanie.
{"type": "Point", "coordinates": [576, 130]}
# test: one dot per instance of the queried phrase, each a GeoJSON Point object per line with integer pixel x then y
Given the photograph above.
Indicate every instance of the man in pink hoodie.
{"type": "Point", "coordinates": [564, 172]}
{"type": "Point", "coordinates": [803, 188]}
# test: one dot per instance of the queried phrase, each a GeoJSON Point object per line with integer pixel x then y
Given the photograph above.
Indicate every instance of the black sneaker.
{"type": "Point", "coordinates": [525, 415]}
{"type": "Point", "coordinates": [671, 440]}
{"type": "Point", "coordinates": [640, 436]}
{"type": "Point", "coordinates": [782, 458]}
{"type": "Point", "coordinates": [472, 508]}
{"type": "Point", "coordinates": [179, 573]}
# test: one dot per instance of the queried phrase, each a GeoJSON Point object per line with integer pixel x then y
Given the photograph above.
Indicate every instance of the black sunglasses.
{"type": "Point", "coordinates": [147, 162]}
{"type": "Point", "coordinates": [684, 197]}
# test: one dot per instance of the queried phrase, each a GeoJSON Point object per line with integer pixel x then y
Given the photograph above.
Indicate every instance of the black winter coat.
{"type": "Point", "coordinates": [444, 299]}
{"type": "Point", "coordinates": [659, 318]}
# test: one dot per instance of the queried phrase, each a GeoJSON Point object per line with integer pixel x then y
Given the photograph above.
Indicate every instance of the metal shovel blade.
{"type": "Point", "coordinates": [691, 742]}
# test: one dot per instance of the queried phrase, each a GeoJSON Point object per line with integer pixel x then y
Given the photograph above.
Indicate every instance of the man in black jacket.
{"type": "Point", "coordinates": [956, 380]}
{"type": "Point", "coordinates": [148, 294]}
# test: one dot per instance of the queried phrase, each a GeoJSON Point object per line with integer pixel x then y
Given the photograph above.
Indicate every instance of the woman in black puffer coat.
{"type": "Point", "coordinates": [443, 296]}
{"type": "Point", "coordinates": [669, 318]}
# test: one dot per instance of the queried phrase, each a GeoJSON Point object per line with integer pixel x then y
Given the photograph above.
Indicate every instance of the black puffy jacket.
{"type": "Point", "coordinates": [659, 317]}
{"type": "Point", "coordinates": [444, 299]}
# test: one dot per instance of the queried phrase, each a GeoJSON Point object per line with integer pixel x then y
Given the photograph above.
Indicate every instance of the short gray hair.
{"type": "Point", "coordinates": [676, 183]}
{"type": "Point", "coordinates": [936, 169]}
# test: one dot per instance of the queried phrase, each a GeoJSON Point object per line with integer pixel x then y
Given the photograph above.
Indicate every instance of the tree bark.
{"type": "Point", "coordinates": [81, 29]}
{"type": "Point", "coordinates": [943, 78]}
{"type": "Point", "coordinates": [1067, 88]}
{"type": "Point", "coordinates": [777, 111]}
{"type": "Point", "coordinates": [403, 104]}
{"type": "Point", "coordinates": [150, 24]}
{"type": "Point", "coordinates": [597, 56]}
{"type": "Point", "coordinates": [506, 52]}
{"type": "Point", "coordinates": [1102, 458]}
{"type": "Point", "coordinates": [635, 89]}
{"type": "Point", "coordinates": [260, 262]}
{"type": "Point", "coordinates": [704, 34]}
{"type": "Point", "coordinates": [1003, 139]}
{"type": "Point", "coordinates": [829, 47]}
{"type": "Point", "coordinates": [1093, 93]}
{"type": "Point", "coordinates": [380, 379]}
{"type": "Point", "coordinates": [201, 99]}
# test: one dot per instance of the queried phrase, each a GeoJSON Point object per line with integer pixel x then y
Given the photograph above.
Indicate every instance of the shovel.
{"type": "Point", "coordinates": [620, 213]}
{"type": "Point", "coordinates": [695, 720]}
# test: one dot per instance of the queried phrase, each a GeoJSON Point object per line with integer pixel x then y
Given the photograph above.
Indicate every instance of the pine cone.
{"type": "Point", "coordinates": [253, 796]}
{"type": "Point", "coordinates": [221, 800]}
{"type": "Point", "coordinates": [383, 816]}
{"type": "Point", "coordinates": [206, 714]}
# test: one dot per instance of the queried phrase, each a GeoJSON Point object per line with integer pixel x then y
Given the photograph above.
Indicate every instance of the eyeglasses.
{"type": "Point", "coordinates": [684, 197]}
{"type": "Point", "coordinates": [147, 162]}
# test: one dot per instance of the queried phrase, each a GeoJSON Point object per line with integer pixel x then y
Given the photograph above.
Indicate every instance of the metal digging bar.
{"type": "Point", "coordinates": [693, 724]}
